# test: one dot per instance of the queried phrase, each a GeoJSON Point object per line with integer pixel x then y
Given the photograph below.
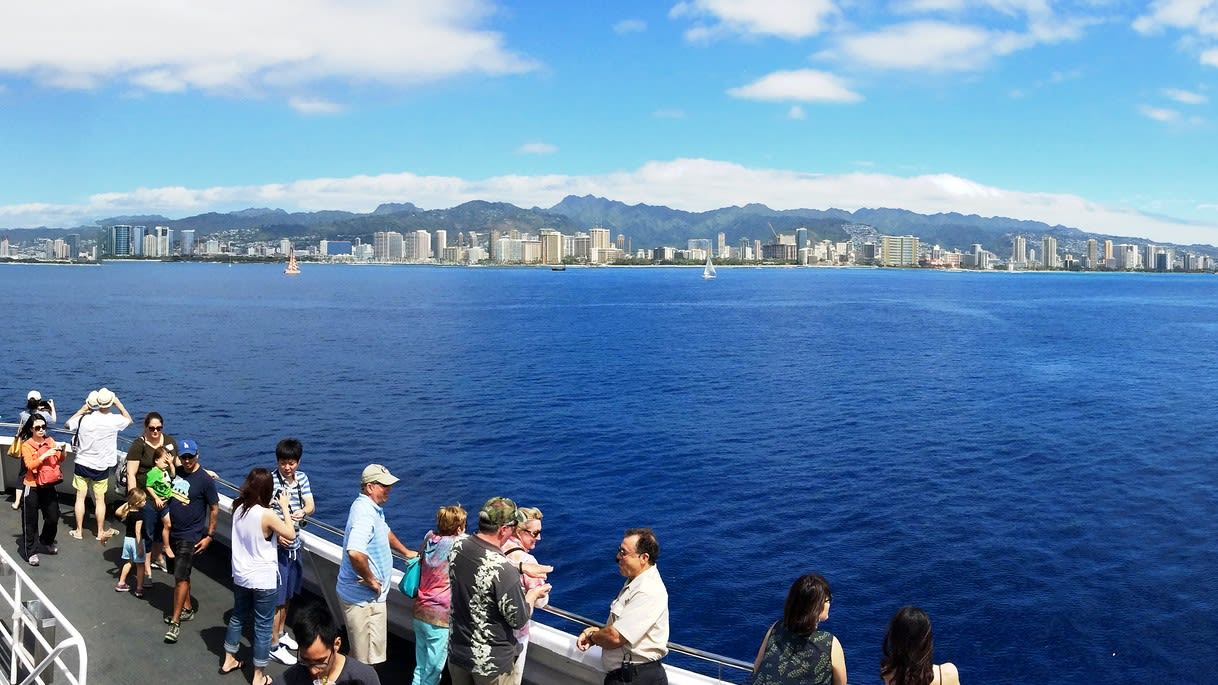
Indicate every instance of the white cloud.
{"type": "Point", "coordinates": [630, 26]}
{"type": "Point", "coordinates": [796, 112]}
{"type": "Point", "coordinates": [1210, 57]}
{"type": "Point", "coordinates": [1198, 15]}
{"type": "Point", "coordinates": [238, 47]}
{"type": "Point", "coordinates": [537, 148]}
{"type": "Point", "coordinates": [1162, 114]}
{"type": "Point", "coordinates": [306, 105]}
{"type": "Point", "coordinates": [789, 19]}
{"type": "Point", "coordinates": [932, 45]}
{"type": "Point", "coordinates": [689, 184]}
{"type": "Point", "coordinates": [801, 85]}
{"type": "Point", "coordinates": [1185, 97]}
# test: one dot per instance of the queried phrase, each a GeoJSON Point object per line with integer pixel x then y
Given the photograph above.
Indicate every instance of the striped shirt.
{"type": "Point", "coordinates": [298, 490]}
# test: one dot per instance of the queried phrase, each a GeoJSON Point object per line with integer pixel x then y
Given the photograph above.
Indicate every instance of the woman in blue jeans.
{"type": "Point", "coordinates": [256, 529]}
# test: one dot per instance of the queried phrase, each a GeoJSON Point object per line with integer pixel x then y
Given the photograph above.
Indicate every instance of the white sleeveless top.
{"type": "Point", "coordinates": [255, 561]}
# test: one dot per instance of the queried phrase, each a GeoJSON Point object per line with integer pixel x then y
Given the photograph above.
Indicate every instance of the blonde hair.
{"type": "Point", "coordinates": [530, 514]}
{"type": "Point", "coordinates": [450, 520]}
{"type": "Point", "coordinates": [136, 499]}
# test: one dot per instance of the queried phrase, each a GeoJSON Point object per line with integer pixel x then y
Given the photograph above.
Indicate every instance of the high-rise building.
{"type": "Point", "coordinates": [551, 246]}
{"type": "Point", "coordinates": [1048, 246]}
{"type": "Point", "coordinates": [721, 247]}
{"type": "Point", "coordinates": [120, 241]}
{"type": "Point", "coordinates": [186, 243]}
{"type": "Point", "coordinates": [600, 238]}
{"type": "Point", "coordinates": [1108, 251]}
{"type": "Point", "coordinates": [898, 250]}
{"type": "Point", "coordinates": [72, 246]}
{"type": "Point", "coordinates": [138, 233]}
{"type": "Point", "coordinates": [1093, 253]}
{"type": "Point", "coordinates": [439, 244]}
{"type": "Point", "coordinates": [1019, 250]}
{"type": "Point", "coordinates": [387, 246]}
{"type": "Point", "coordinates": [581, 246]}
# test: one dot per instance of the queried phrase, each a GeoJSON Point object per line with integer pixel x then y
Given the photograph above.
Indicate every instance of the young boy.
{"type": "Point", "coordinates": [288, 477]}
{"type": "Point", "coordinates": [159, 485]}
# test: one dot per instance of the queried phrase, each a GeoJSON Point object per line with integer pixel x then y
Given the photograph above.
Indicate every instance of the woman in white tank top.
{"type": "Point", "coordinates": [255, 569]}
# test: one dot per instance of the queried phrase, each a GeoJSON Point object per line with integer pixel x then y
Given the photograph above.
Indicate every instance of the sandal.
{"type": "Point", "coordinates": [238, 667]}
{"type": "Point", "coordinates": [75, 534]}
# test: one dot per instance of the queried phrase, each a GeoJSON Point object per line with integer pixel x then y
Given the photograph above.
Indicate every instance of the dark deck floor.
{"type": "Point", "coordinates": [125, 635]}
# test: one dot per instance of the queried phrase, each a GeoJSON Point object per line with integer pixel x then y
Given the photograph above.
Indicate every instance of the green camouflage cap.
{"type": "Point", "coordinates": [500, 511]}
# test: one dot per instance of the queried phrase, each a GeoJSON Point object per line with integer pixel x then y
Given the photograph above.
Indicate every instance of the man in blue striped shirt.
{"type": "Point", "coordinates": [367, 566]}
{"type": "Point", "coordinates": [288, 476]}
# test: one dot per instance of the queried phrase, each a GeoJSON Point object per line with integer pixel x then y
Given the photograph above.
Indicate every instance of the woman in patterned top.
{"type": "Point", "coordinates": [795, 651]}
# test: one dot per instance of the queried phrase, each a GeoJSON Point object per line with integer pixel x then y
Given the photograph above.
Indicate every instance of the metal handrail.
{"type": "Point", "coordinates": [19, 656]}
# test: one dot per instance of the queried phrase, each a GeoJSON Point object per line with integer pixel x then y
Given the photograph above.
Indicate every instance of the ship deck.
{"type": "Point", "coordinates": [124, 634]}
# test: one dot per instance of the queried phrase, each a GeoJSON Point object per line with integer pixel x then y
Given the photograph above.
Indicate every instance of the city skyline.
{"type": "Point", "coordinates": [1093, 115]}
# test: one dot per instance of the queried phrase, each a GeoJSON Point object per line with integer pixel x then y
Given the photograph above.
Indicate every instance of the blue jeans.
{"type": "Point", "coordinates": [262, 602]}
{"type": "Point", "coordinates": [430, 652]}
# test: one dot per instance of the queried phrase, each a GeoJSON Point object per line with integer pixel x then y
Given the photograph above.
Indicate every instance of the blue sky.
{"type": "Point", "coordinates": [1095, 114]}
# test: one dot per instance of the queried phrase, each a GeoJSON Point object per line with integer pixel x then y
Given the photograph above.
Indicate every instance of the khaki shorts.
{"type": "Point", "coordinates": [99, 486]}
{"type": "Point", "coordinates": [367, 630]}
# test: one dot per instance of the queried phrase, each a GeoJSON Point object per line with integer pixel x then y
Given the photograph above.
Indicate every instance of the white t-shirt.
{"type": "Point", "coordinates": [98, 439]}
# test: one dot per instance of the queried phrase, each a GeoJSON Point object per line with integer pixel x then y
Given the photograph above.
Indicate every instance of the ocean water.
{"type": "Point", "coordinates": [1029, 457]}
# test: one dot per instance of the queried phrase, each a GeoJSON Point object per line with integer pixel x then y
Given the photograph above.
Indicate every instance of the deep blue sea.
{"type": "Point", "coordinates": [1029, 457]}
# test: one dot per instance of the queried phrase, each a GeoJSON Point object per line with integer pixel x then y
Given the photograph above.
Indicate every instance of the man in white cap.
{"type": "Point", "coordinates": [97, 429]}
{"type": "Point", "coordinates": [367, 566]}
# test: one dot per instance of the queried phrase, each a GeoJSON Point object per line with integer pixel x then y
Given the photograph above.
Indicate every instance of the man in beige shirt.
{"type": "Point", "coordinates": [634, 640]}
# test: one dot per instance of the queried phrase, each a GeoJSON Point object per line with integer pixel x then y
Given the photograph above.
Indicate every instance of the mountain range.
{"type": "Point", "coordinates": [644, 226]}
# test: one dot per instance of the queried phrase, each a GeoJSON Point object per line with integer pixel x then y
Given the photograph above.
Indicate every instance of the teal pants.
{"type": "Point", "coordinates": [430, 652]}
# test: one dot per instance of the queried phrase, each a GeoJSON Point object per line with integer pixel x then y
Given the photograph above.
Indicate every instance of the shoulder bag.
{"type": "Point", "coordinates": [409, 584]}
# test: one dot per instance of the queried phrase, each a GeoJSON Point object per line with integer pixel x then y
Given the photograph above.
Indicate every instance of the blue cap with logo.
{"type": "Point", "coordinates": [188, 447]}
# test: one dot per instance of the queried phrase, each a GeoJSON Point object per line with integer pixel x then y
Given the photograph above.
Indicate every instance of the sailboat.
{"type": "Point", "coordinates": [708, 271]}
{"type": "Point", "coordinates": [292, 269]}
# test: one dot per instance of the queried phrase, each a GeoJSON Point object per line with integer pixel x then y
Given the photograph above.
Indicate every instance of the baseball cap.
{"type": "Point", "coordinates": [375, 473]}
{"type": "Point", "coordinates": [500, 511]}
{"type": "Point", "coordinates": [34, 395]}
{"type": "Point", "coordinates": [188, 448]}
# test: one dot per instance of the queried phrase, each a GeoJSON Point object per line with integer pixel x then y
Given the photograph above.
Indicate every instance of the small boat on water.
{"type": "Point", "coordinates": [292, 269]}
{"type": "Point", "coordinates": [708, 271]}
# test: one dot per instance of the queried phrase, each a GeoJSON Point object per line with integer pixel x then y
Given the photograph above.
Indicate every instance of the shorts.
{"type": "Point", "coordinates": [133, 551]}
{"type": "Point", "coordinates": [184, 557]}
{"type": "Point", "coordinates": [153, 525]}
{"type": "Point", "coordinates": [291, 572]}
{"type": "Point", "coordinates": [86, 480]}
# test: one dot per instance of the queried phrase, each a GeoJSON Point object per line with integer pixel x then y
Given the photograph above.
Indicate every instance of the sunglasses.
{"type": "Point", "coordinates": [39, 428]}
{"type": "Point", "coordinates": [155, 428]}
{"type": "Point", "coordinates": [534, 533]}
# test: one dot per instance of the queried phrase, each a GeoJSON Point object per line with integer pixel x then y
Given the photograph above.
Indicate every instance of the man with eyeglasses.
{"type": "Point", "coordinates": [489, 603]}
{"type": "Point", "coordinates": [366, 567]}
{"type": "Point", "coordinates": [634, 640]}
{"type": "Point", "coordinates": [97, 430]}
{"type": "Point", "coordinates": [319, 658]}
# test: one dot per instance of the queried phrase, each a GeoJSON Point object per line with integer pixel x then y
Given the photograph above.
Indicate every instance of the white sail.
{"type": "Point", "coordinates": [708, 271]}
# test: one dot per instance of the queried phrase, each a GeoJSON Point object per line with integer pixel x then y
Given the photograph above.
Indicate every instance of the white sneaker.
{"type": "Point", "coordinates": [288, 641]}
{"type": "Point", "coordinates": [282, 655]}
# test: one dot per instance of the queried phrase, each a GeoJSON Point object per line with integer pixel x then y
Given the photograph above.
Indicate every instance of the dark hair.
{"type": "Point", "coordinates": [255, 490]}
{"type": "Point", "coordinates": [647, 543]}
{"type": "Point", "coordinates": [32, 405]}
{"type": "Point", "coordinates": [288, 449]}
{"type": "Point", "coordinates": [805, 602]}
{"type": "Point", "coordinates": [909, 648]}
{"type": "Point", "coordinates": [27, 428]}
{"type": "Point", "coordinates": [312, 620]}
{"type": "Point", "coordinates": [153, 415]}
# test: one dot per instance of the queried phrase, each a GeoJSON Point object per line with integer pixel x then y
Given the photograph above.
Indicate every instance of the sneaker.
{"type": "Point", "coordinates": [171, 635]}
{"type": "Point", "coordinates": [122, 587]}
{"type": "Point", "coordinates": [51, 549]}
{"type": "Point", "coordinates": [187, 614]}
{"type": "Point", "coordinates": [281, 654]}
{"type": "Point", "coordinates": [160, 565]}
{"type": "Point", "coordinates": [138, 592]}
{"type": "Point", "coordinates": [288, 641]}
{"type": "Point", "coordinates": [34, 560]}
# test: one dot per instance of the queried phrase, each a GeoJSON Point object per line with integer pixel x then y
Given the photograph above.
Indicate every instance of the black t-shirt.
{"type": "Point", "coordinates": [353, 673]}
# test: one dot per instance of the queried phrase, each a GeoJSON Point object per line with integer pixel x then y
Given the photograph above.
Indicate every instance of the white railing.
{"type": "Point", "coordinates": [30, 632]}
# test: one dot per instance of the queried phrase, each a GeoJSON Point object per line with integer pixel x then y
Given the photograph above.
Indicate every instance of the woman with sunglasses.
{"type": "Point", "coordinates": [42, 457]}
{"type": "Point", "coordinates": [519, 550]}
{"type": "Point", "coordinates": [796, 651]}
{"type": "Point", "coordinates": [141, 457]}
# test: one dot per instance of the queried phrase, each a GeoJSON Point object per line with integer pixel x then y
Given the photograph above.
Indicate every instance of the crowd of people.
{"type": "Point", "coordinates": [476, 591]}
